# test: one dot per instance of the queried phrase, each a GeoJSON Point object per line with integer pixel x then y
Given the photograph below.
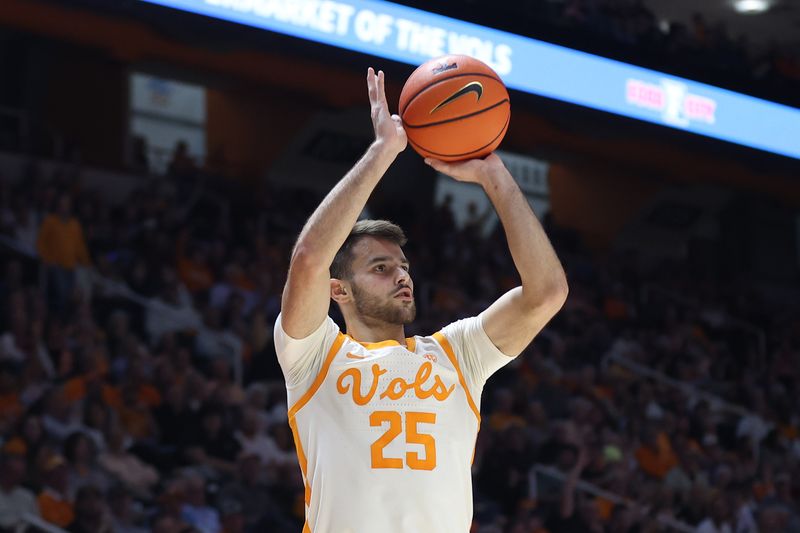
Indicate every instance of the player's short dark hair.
{"type": "Point", "coordinates": [379, 229]}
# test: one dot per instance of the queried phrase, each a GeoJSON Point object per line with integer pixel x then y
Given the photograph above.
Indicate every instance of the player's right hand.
{"type": "Point", "coordinates": [480, 171]}
{"type": "Point", "coordinates": [388, 128]}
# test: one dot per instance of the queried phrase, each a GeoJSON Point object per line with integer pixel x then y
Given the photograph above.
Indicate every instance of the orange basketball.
{"type": "Point", "coordinates": [454, 107]}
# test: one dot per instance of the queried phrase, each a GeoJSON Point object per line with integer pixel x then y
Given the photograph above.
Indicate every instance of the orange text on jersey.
{"type": "Point", "coordinates": [397, 388]}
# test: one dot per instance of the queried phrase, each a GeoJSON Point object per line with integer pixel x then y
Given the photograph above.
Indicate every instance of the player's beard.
{"type": "Point", "coordinates": [370, 306]}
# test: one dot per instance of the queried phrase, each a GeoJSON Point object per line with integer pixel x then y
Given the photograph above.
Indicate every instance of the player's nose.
{"type": "Point", "coordinates": [402, 277]}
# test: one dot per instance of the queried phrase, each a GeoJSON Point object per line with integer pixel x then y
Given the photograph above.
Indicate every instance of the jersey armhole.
{"type": "Point", "coordinates": [448, 349]}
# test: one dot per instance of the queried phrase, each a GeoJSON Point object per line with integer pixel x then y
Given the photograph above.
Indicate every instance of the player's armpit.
{"type": "Point", "coordinates": [512, 321]}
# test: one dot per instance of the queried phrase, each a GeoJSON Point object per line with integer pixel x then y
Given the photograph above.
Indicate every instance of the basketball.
{"type": "Point", "coordinates": [454, 107]}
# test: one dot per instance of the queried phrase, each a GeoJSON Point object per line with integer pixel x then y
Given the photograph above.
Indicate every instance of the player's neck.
{"type": "Point", "coordinates": [374, 331]}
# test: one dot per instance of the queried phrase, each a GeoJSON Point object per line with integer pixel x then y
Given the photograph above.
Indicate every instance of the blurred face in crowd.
{"type": "Point", "coordinates": [589, 513]}
{"type": "Point", "coordinates": [96, 416]}
{"type": "Point", "coordinates": [212, 423]}
{"type": "Point", "coordinates": [720, 509]}
{"type": "Point", "coordinates": [58, 477]}
{"type": "Point", "coordinates": [120, 503]}
{"type": "Point", "coordinates": [32, 429]}
{"type": "Point", "coordinates": [64, 206]}
{"type": "Point", "coordinates": [195, 491]}
{"type": "Point", "coordinates": [249, 468]}
{"type": "Point", "coordinates": [176, 397]}
{"type": "Point", "coordinates": [772, 519]}
{"type": "Point", "coordinates": [13, 469]}
{"type": "Point", "coordinates": [566, 457]}
{"type": "Point", "coordinates": [380, 284]}
{"type": "Point", "coordinates": [250, 422]}
{"type": "Point", "coordinates": [116, 440]}
{"type": "Point", "coordinates": [89, 506]}
{"type": "Point", "coordinates": [166, 524]}
{"type": "Point", "coordinates": [83, 450]}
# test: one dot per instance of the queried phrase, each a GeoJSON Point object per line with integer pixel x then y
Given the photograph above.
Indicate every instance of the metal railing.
{"type": "Point", "coordinates": [714, 401]}
{"type": "Point", "coordinates": [31, 520]}
{"type": "Point", "coordinates": [594, 490]}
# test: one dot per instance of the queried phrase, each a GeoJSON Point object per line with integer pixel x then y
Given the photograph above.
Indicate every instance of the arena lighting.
{"type": "Point", "coordinates": [751, 7]}
{"type": "Point", "coordinates": [413, 36]}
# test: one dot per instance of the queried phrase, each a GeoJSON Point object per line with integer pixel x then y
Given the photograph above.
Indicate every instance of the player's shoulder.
{"type": "Point", "coordinates": [454, 331]}
{"type": "Point", "coordinates": [450, 334]}
{"type": "Point", "coordinates": [327, 331]}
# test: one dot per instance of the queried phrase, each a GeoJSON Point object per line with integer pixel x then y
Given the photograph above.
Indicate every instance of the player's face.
{"type": "Point", "coordinates": [381, 283]}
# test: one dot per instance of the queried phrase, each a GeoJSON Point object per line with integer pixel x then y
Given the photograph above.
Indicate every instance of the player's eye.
{"type": "Point", "coordinates": [406, 268]}
{"type": "Point", "coordinates": [380, 268]}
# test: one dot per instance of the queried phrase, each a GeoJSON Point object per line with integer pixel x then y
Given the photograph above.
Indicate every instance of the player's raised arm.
{"type": "Point", "coordinates": [517, 316]}
{"type": "Point", "coordinates": [306, 295]}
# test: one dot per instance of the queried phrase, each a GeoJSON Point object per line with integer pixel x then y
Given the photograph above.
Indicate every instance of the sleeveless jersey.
{"type": "Point", "coordinates": [385, 433]}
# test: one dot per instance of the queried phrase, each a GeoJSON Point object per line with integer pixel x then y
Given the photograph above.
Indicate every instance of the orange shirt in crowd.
{"type": "Point", "coordinates": [659, 461]}
{"type": "Point", "coordinates": [61, 243]}
{"type": "Point", "coordinates": [11, 409]}
{"type": "Point", "coordinates": [604, 508]}
{"type": "Point", "coordinates": [55, 509]}
{"type": "Point", "coordinates": [503, 421]}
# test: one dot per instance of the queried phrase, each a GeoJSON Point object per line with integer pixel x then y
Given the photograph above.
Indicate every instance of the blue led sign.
{"type": "Point", "coordinates": [413, 36]}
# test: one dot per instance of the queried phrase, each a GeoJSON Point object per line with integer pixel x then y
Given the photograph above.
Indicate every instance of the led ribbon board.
{"type": "Point", "coordinates": [413, 36]}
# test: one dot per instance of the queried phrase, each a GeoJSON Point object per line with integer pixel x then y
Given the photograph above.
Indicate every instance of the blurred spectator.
{"type": "Point", "coordinates": [253, 497]}
{"type": "Point", "coordinates": [126, 468]}
{"type": "Point", "coordinates": [576, 513]}
{"type": "Point", "coordinates": [193, 268]}
{"type": "Point", "coordinates": [96, 416]}
{"type": "Point", "coordinates": [232, 518]}
{"type": "Point", "coordinates": [11, 408]}
{"type": "Point", "coordinates": [23, 223]}
{"type": "Point", "coordinates": [171, 311]}
{"type": "Point", "coordinates": [182, 164]}
{"type": "Point", "coordinates": [62, 248]}
{"type": "Point", "coordinates": [196, 512]}
{"type": "Point", "coordinates": [54, 503]}
{"type": "Point", "coordinates": [15, 500]}
{"type": "Point", "coordinates": [125, 517]}
{"type": "Point", "coordinates": [58, 418]}
{"type": "Point", "coordinates": [82, 469]}
{"type": "Point", "coordinates": [255, 441]}
{"type": "Point", "coordinates": [147, 381]}
{"type": "Point", "coordinates": [167, 524]}
{"type": "Point", "coordinates": [175, 419]}
{"type": "Point", "coordinates": [91, 515]}
{"type": "Point", "coordinates": [655, 455]}
{"type": "Point", "coordinates": [213, 445]}
{"type": "Point", "coordinates": [720, 520]}
{"type": "Point", "coordinates": [140, 157]}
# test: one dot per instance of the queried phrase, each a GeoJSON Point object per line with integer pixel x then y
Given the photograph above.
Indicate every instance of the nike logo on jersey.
{"type": "Point", "coordinates": [354, 356]}
{"type": "Point", "coordinates": [472, 87]}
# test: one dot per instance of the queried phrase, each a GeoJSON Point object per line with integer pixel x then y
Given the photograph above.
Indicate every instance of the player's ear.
{"type": "Point", "coordinates": [340, 291]}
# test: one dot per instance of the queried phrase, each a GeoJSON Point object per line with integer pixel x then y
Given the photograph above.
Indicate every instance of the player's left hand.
{"type": "Point", "coordinates": [472, 170]}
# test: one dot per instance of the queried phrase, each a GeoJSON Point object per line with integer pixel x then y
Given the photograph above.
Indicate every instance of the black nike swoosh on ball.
{"type": "Point", "coordinates": [472, 87]}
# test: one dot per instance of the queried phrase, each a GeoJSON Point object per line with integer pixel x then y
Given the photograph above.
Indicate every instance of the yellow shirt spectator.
{"type": "Point", "coordinates": [61, 242]}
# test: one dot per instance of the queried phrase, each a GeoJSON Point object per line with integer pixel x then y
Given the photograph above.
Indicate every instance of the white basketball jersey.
{"type": "Point", "coordinates": [385, 433]}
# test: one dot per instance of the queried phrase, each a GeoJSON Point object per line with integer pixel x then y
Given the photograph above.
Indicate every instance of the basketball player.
{"type": "Point", "coordinates": [385, 425]}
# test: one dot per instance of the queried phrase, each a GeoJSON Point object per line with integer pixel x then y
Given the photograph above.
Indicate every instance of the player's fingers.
{"type": "Point", "coordinates": [381, 88]}
{"type": "Point", "coordinates": [441, 166]}
{"type": "Point", "coordinates": [372, 88]}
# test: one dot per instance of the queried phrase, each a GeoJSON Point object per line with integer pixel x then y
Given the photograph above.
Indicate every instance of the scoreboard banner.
{"type": "Point", "coordinates": [413, 36]}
